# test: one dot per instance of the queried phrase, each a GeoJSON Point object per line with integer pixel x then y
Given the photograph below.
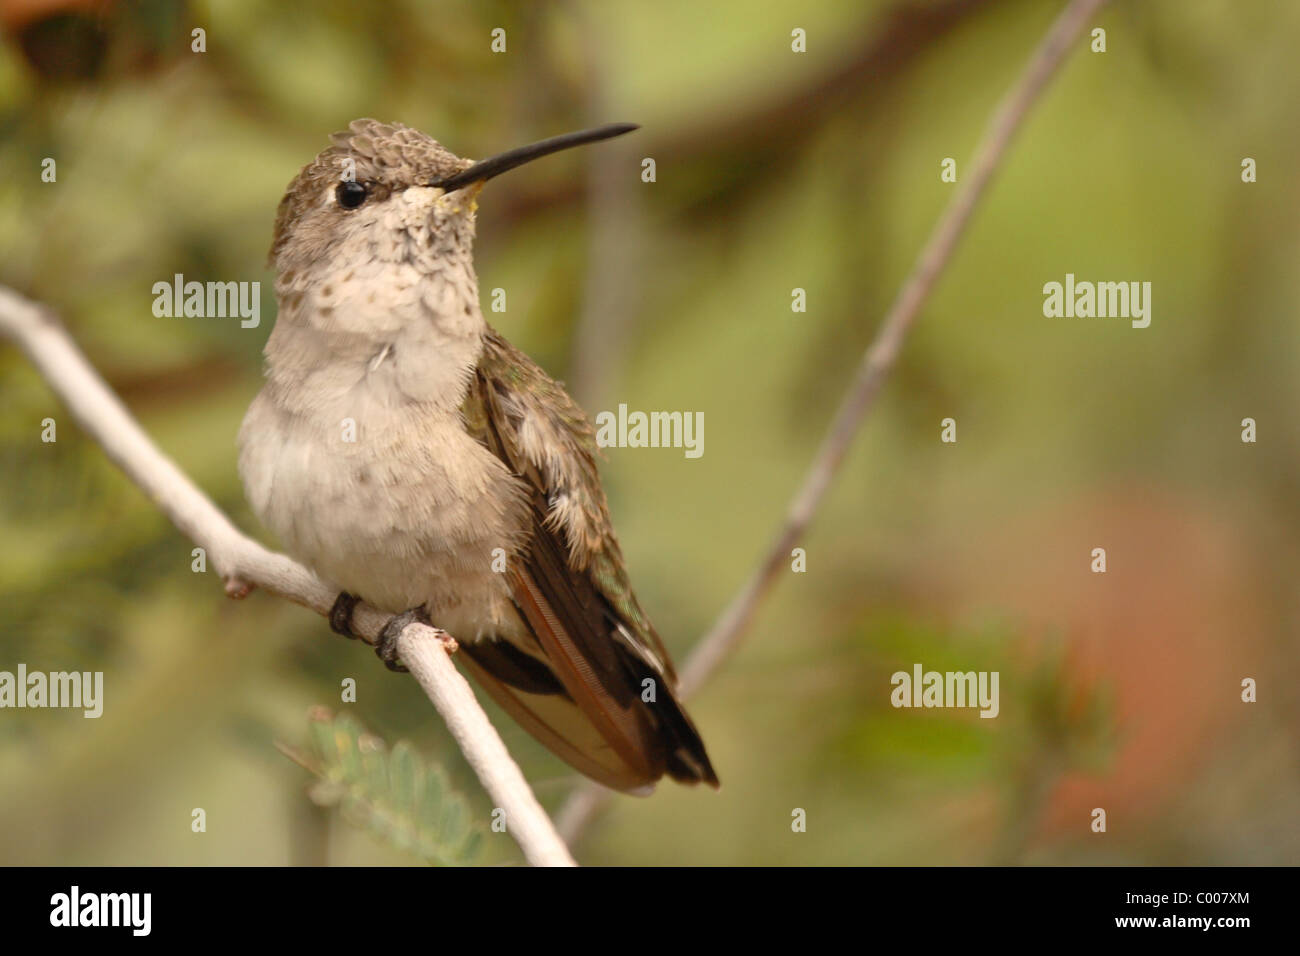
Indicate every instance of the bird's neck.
{"type": "Point", "coordinates": [387, 337]}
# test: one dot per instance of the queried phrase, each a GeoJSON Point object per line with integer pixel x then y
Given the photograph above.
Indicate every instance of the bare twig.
{"type": "Point", "coordinates": [614, 226]}
{"type": "Point", "coordinates": [751, 138]}
{"type": "Point", "coordinates": [876, 364]}
{"type": "Point", "coordinates": [243, 564]}
{"type": "Point", "coordinates": [421, 651]}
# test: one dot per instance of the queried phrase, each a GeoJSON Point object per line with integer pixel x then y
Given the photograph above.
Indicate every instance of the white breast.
{"type": "Point", "coordinates": [361, 465]}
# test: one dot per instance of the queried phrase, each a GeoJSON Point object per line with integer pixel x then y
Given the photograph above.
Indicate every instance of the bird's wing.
{"type": "Point", "coordinates": [597, 686]}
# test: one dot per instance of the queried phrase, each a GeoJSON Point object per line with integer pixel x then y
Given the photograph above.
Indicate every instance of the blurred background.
{"type": "Point", "coordinates": [775, 170]}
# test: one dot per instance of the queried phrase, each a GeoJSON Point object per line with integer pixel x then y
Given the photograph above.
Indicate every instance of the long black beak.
{"type": "Point", "coordinates": [485, 169]}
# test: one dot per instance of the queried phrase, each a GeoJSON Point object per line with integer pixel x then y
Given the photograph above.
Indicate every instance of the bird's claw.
{"type": "Point", "coordinates": [341, 614]}
{"type": "Point", "coordinates": [386, 645]}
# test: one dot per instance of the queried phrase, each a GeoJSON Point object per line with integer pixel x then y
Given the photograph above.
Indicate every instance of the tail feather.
{"type": "Point", "coordinates": [611, 716]}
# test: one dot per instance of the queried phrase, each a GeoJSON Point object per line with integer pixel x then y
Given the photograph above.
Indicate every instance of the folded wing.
{"type": "Point", "coordinates": [591, 679]}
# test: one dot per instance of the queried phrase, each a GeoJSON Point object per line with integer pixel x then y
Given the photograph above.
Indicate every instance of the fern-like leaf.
{"type": "Point", "coordinates": [392, 793]}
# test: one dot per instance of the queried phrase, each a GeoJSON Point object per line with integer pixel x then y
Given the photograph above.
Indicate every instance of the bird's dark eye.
{"type": "Point", "coordinates": [350, 194]}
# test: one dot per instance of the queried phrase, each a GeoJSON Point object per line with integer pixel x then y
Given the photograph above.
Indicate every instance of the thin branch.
{"type": "Point", "coordinates": [614, 227]}
{"type": "Point", "coordinates": [244, 564]}
{"type": "Point", "coordinates": [751, 138]}
{"type": "Point", "coordinates": [422, 651]}
{"type": "Point", "coordinates": [730, 628]}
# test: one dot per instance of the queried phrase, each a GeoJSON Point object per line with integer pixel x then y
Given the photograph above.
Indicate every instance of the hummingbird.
{"type": "Point", "coordinates": [414, 459]}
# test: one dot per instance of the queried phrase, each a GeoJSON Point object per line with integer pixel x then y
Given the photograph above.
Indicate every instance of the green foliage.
{"type": "Point", "coordinates": [1069, 717]}
{"type": "Point", "coordinates": [391, 793]}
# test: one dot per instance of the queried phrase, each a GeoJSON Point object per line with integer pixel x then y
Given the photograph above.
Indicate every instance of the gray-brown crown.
{"type": "Point", "coordinates": [388, 157]}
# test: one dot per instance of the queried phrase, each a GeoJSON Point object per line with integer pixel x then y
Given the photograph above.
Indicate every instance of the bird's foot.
{"type": "Point", "coordinates": [386, 646]}
{"type": "Point", "coordinates": [341, 614]}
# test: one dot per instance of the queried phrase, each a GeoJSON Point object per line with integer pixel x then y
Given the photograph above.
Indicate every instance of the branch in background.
{"type": "Point", "coordinates": [244, 564]}
{"type": "Point", "coordinates": [876, 364]}
{"type": "Point", "coordinates": [614, 227]}
{"type": "Point", "coordinates": [752, 141]}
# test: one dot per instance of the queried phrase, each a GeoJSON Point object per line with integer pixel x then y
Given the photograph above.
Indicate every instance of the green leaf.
{"type": "Point", "coordinates": [392, 793]}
